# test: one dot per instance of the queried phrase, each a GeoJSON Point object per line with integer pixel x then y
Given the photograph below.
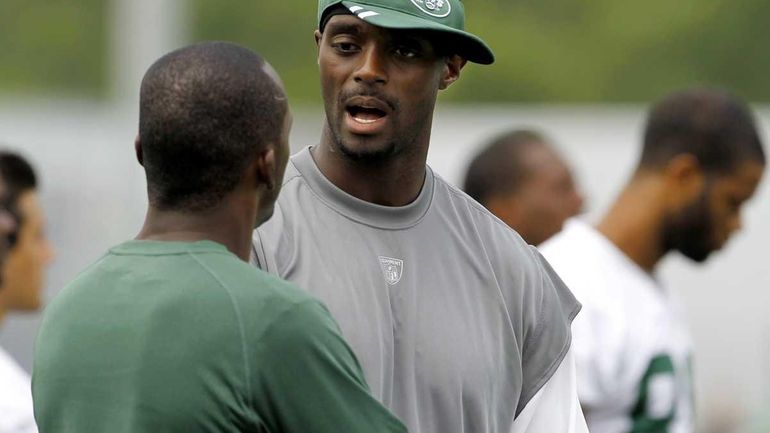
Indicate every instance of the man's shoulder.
{"type": "Point", "coordinates": [518, 267]}
{"type": "Point", "coordinates": [201, 276]}
{"type": "Point", "coordinates": [448, 193]}
{"type": "Point", "coordinates": [577, 253]}
{"type": "Point", "coordinates": [575, 234]}
{"type": "Point", "coordinates": [461, 208]}
{"type": "Point", "coordinates": [296, 195]}
{"type": "Point", "coordinates": [600, 275]}
{"type": "Point", "coordinates": [248, 283]}
{"type": "Point", "coordinates": [291, 174]}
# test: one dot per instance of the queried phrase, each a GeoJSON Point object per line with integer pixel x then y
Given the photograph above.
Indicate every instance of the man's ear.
{"type": "Point", "coordinates": [138, 151]}
{"type": "Point", "coordinates": [266, 169]}
{"type": "Point", "coordinates": [451, 72]}
{"type": "Point", "coordinates": [318, 36]}
{"type": "Point", "coordinates": [684, 177]}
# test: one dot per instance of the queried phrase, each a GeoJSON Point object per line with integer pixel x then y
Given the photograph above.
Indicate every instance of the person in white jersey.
{"type": "Point", "coordinates": [701, 160]}
{"type": "Point", "coordinates": [460, 326]}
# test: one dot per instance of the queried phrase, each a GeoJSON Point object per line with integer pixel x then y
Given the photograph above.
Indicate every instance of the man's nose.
{"type": "Point", "coordinates": [373, 67]}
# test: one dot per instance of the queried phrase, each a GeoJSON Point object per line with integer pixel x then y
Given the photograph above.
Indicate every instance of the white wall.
{"type": "Point", "coordinates": [93, 191]}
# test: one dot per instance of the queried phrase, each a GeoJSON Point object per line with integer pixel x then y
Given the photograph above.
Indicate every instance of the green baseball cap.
{"type": "Point", "coordinates": [445, 16]}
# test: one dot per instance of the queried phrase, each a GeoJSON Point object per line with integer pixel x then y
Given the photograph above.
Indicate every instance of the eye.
{"type": "Point", "coordinates": [345, 47]}
{"type": "Point", "coordinates": [407, 52]}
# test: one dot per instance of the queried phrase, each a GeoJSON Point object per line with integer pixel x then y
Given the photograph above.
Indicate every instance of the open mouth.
{"type": "Point", "coordinates": [365, 115]}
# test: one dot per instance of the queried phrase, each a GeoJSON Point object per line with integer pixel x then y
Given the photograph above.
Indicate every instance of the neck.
{"type": "Point", "coordinates": [634, 222]}
{"type": "Point", "coordinates": [226, 224]}
{"type": "Point", "coordinates": [390, 181]}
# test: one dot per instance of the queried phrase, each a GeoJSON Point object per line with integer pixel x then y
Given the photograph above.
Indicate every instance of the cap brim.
{"type": "Point", "coordinates": [465, 44]}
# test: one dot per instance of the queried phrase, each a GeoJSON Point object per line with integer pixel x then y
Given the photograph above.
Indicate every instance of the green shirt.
{"type": "Point", "coordinates": [185, 337]}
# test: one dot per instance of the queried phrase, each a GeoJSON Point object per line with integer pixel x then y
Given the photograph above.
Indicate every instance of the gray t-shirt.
{"type": "Point", "coordinates": [456, 321]}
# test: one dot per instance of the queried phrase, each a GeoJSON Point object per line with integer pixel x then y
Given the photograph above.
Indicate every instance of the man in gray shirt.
{"type": "Point", "coordinates": [458, 324]}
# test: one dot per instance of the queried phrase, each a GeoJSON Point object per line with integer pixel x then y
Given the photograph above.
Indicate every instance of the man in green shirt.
{"type": "Point", "coordinates": [174, 331]}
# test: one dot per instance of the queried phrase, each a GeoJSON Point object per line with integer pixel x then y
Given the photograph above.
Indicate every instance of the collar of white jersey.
{"type": "Point", "coordinates": [374, 215]}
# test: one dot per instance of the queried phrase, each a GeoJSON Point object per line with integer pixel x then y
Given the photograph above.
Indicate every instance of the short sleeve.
{"type": "Point", "coordinates": [550, 336]}
{"type": "Point", "coordinates": [308, 379]}
{"type": "Point", "coordinates": [597, 357]}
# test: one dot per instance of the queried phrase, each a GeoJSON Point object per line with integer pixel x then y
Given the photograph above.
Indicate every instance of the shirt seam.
{"type": "Point", "coordinates": [90, 267]}
{"type": "Point", "coordinates": [292, 177]}
{"type": "Point", "coordinates": [241, 330]}
{"type": "Point", "coordinates": [477, 207]}
{"type": "Point", "coordinates": [167, 253]}
{"type": "Point", "coordinates": [293, 305]}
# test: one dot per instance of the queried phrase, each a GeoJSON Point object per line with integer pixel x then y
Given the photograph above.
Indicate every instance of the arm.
{"type": "Point", "coordinates": [555, 407]}
{"type": "Point", "coordinates": [308, 379]}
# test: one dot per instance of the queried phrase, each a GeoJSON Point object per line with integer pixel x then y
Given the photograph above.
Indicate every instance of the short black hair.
{"type": "Point", "coordinates": [19, 178]}
{"type": "Point", "coordinates": [17, 173]}
{"type": "Point", "coordinates": [205, 111]}
{"type": "Point", "coordinates": [713, 125]}
{"type": "Point", "coordinates": [499, 167]}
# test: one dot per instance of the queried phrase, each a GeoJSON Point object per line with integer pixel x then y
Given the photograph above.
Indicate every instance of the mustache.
{"type": "Point", "coordinates": [346, 95]}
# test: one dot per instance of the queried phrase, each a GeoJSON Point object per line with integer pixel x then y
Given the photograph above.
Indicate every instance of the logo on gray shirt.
{"type": "Point", "coordinates": [392, 269]}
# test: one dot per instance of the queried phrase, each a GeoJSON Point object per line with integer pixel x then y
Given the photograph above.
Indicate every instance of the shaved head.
{"type": "Point", "coordinates": [205, 111]}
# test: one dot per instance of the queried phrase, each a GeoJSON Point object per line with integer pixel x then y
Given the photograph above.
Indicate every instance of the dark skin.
{"type": "Point", "coordinates": [636, 221]}
{"type": "Point", "coordinates": [380, 88]}
{"type": "Point", "coordinates": [538, 207]}
{"type": "Point", "coordinates": [232, 221]}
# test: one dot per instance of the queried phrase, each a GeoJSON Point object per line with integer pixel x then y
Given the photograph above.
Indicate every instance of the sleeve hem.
{"type": "Point", "coordinates": [553, 366]}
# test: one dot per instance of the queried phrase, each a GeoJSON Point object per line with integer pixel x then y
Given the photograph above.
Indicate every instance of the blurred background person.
{"type": "Point", "coordinates": [8, 227]}
{"type": "Point", "coordinates": [31, 252]}
{"type": "Point", "coordinates": [22, 283]}
{"type": "Point", "coordinates": [525, 182]}
{"type": "Point", "coordinates": [701, 160]}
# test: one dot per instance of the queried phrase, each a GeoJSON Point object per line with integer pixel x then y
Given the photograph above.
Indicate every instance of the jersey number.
{"type": "Point", "coordinates": [656, 404]}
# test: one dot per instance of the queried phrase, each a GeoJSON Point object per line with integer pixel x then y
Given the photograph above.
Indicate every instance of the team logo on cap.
{"type": "Point", "coordinates": [435, 8]}
{"type": "Point", "coordinates": [392, 269]}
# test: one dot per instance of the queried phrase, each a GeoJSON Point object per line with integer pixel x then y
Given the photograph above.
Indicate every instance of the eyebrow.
{"type": "Point", "coordinates": [404, 37]}
{"type": "Point", "coordinates": [336, 28]}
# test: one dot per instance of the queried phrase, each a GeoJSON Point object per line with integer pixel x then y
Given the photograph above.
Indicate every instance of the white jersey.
{"type": "Point", "coordinates": [631, 344]}
{"type": "Point", "coordinates": [15, 398]}
{"type": "Point", "coordinates": [460, 327]}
